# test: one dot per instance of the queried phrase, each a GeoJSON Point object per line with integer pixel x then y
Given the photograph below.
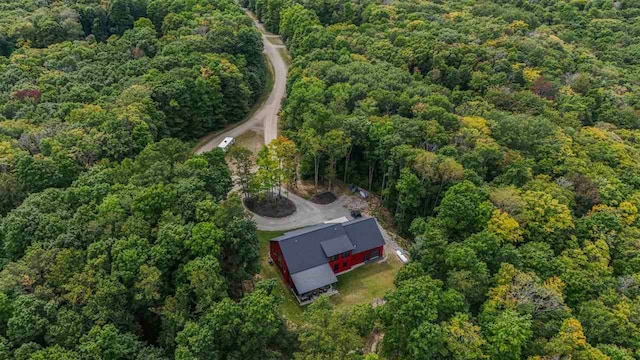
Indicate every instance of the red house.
{"type": "Point", "coordinates": [310, 258]}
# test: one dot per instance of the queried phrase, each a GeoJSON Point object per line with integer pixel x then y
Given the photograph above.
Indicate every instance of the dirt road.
{"type": "Point", "coordinates": [264, 119]}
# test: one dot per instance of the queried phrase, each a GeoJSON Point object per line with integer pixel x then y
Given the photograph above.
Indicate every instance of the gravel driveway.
{"type": "Point", "coordinates": [307, 213]}
{"type": "Point", "coordinates": [265, 117]}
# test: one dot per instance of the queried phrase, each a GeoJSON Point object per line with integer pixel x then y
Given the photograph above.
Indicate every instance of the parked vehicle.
{"type": "Point", "coordinates": [362, 192]}
{"type": "Point", "coordinates": [227, 143]}
{"type": "Point", "coordinates": [402, 257]}
{"type": "Point", "coordinates": [356, 214]}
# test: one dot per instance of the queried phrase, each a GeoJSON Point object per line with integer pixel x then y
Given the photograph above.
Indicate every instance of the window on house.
{"type": "Point", "coordinates": [344, 264]}
{"type": "Point", "coordinates": [375, 253]}
{"type": "Point", "coordinates": [346, 254]}
{"type": "Point", "coordinates": [335, 267]}
{"type": "Point", "coordinates": [333, 258]}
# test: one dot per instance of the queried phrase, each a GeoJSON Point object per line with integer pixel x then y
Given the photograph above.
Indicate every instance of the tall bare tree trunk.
{"type": "Point", "coordinates": [279, 172]}
{"type": "Point", "coordinates": [346, 164]}
{"type": "Point", "coordinates": [371, 172]}
{"type": "Point", "coordinates": [317, 169]}
{"type": "Point", "coordinates": [426, 205]}
{"type": "Point", "coordinates": [435, 202]}
{"type": "Point", "coordinates": [384, 180]}
{"type": "Point", "coordinates": [333, 172]}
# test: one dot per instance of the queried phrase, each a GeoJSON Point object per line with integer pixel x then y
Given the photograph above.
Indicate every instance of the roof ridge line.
{"type": "Point", "coordinates": [318, 227]}
{"type": "Point", "coordinates": [355, 221]}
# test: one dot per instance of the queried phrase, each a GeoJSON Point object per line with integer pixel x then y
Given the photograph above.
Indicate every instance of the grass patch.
{"type": "Point", "coordinates": [366, 283]}
{"type": "Point", "coordinates": [285, 56]}
{"type": "Point", "coordinates": [251, 140]}
{"type": "Point", "coordinates": [274, 39]}
{"type": "Point", "coordinates": [361, 285]}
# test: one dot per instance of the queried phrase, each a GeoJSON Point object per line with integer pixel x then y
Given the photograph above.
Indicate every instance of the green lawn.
{"type": "Point", "coordinates": [366, 283]}
{"type": "Point", "coordinates": [361, 285]}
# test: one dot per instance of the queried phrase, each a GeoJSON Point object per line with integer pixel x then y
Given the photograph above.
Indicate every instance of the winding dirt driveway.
{"type": "Point", "coordinates": [265, 119]}
{"type": "Point", "coordinates": [265, 116]}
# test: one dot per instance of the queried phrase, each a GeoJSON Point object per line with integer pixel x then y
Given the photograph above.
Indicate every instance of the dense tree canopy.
{"type": "Point", "coordinates": [145, 251]}
{"type": "Point", "coordinates": [503, 138]}
{"type": "Point", "coordinates": [115, 241]}
{"type": "Point", "coordinates": [107, 89]}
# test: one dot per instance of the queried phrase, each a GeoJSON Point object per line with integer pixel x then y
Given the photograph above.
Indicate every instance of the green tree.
{"type": "Point", "coordinates": [204, 280]}
{"type": "Point", "coordinates": [286, 152]}
{"type": "Point", "coordinates": [586, 271]}
{"type": "Point", "coordinates": [464, 209]}
{"type": "Point", "coordinates": [38, 173]}
{"type": "Point", "coordinates": [28, 321]}
{"type": "Point", "coordinates": [571, 342]}
{"type": "Point", "coordinates": [108, 342]}
{"type": "Point", "coordinates": [448, 170]}
{"type": "Point", "coordinates": [415, 302]}
{"type": "Point", "coordinates": [55, 352]}
{"type": "Point", "coordinates": [410, 192]}
{"type": "Point", "coordinates": [507, 334]}
{"type": "Point", "coordinates": [336, 144]}
{"type": "Point", "coordinates": [232, 329]}
{"type": "Point", "coordinates": [324, 336]}
{"type": "Point", "coordinates": [427, 342]}
{"type": "Point", "coordinates": [269, 174]}
{"type": "Point", "coordinates": [242, 165]}
{"type": "Point", "coordinates": [120, 15]}
{"type": "Point", "coordinates": [356, 128]}
{"type": "Point", "coordinates": [463, 338]}
{"type": "Point", "coordinates": [313, 147]}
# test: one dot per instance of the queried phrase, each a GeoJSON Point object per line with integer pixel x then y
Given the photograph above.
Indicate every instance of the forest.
{"type": "Point", "coordinates": [116, 241]}
{"type": "Point", "coordinates": [502, 137]}
{"type": "Point", "coordinates": [81, 83]}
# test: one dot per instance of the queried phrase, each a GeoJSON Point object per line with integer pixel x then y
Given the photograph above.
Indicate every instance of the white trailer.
{"type": "Point", "coordinates": [226, 143]}
{"type": "Point", "coordinates": [402, 257]}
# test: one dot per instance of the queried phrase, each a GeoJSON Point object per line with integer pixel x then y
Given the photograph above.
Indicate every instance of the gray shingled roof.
{"type": "Point", "coordinates": [336, 246]}
{"type": "Point", "coordinates": [364, 233]}
{"type": "Point", "coordinates": [313, 278]}
{"type": "Point", "coordinates": [302, 249]}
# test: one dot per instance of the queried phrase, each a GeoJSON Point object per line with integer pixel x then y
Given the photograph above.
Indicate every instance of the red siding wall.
{"type": "Point", "coordinates": [353, 259]}
{"type": "Point", "coordinates": [278, 259]}
{"type": "Point", "coordinates": [343, 264]}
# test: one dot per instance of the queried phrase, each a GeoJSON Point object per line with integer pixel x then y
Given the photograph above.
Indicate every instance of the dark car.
{"type": "Point", "coordinates": [356, 214]}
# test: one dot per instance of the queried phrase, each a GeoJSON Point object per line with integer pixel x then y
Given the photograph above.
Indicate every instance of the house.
{"type": "Point", "coordinates": [310, 258]}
